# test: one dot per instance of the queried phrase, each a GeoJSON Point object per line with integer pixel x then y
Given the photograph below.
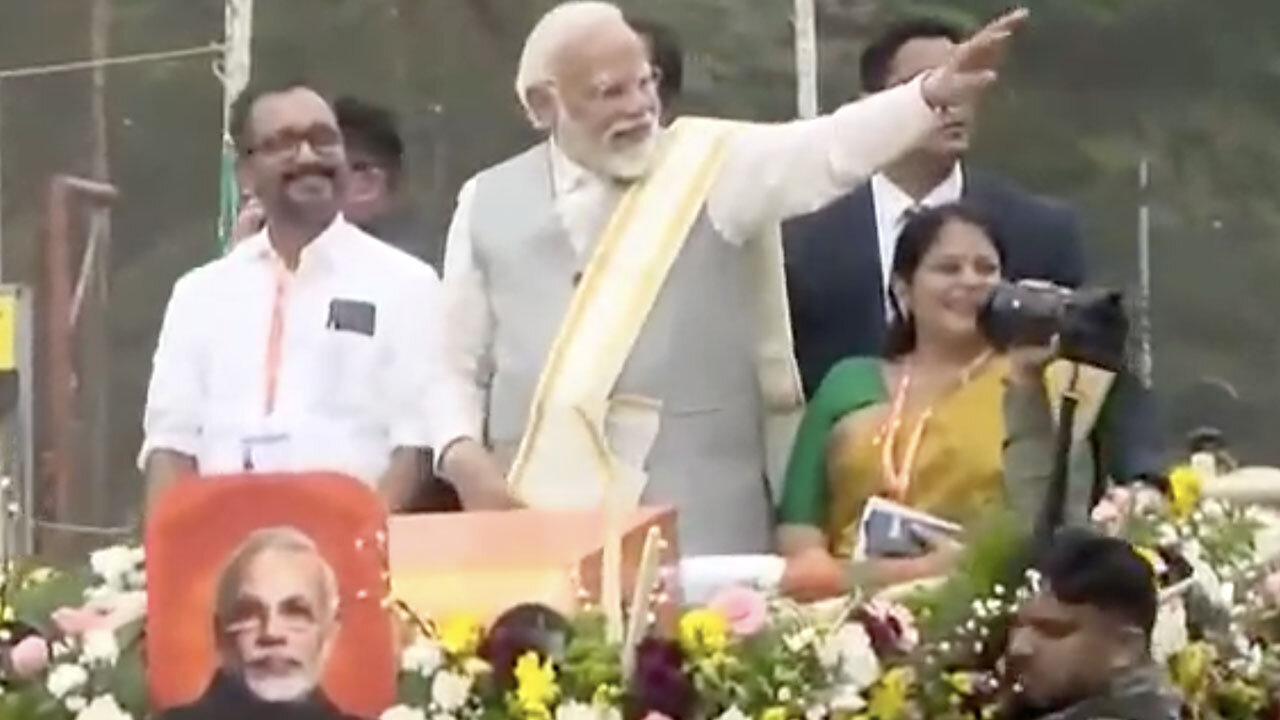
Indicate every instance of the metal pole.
{"type": "Point", "coordinates": [1145, 366]}
{"type": "Point", "coordinates": [234, 74]}
{"type": "Point", "coordinates": [806, 31]}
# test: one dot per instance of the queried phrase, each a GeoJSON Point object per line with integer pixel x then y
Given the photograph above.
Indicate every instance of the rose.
{"type": "Point", "coordinates": [109, 612]}
{"type": "Point", "coordinates": [1271, 589]}
{"type": "Point", "coordinates": [744, 608]}
{"type": "Point", "coordinates": [29, 657]}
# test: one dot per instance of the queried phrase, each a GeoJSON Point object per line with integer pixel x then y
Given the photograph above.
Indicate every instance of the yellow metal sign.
{"type": "Point", "coordinates": [8, 331]}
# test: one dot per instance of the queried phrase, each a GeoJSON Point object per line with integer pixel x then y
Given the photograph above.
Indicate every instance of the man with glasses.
{"type": "Point", "coordinates": [311, 346]}
{"type": "Point", "coordinates": [374, 198]}
{"type": "Point", "coordinates": [275, 620]}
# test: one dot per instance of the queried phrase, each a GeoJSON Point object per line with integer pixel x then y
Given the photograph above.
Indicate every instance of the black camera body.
{"type": "Point", "coordinates": [1090, 323]}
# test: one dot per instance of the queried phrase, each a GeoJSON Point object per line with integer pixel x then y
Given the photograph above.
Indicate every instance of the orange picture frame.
{"type": "Point", "coordinates": [196, 524]}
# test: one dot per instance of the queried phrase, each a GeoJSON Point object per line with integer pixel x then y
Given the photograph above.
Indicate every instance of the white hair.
{"type": "Point", "coordinates": [561, 25]}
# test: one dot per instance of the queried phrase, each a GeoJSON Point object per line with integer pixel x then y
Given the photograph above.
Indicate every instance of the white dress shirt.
{"type": "Point", "coordinates": [893, 205]}
{"type": "Point", "coordinates": [770, 172]}
{"type": "Point", "coordinates": [350, 388]}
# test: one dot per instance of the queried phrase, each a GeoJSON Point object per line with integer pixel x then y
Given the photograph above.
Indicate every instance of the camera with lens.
{"type": "Point", "coordinates": [1090, 323]}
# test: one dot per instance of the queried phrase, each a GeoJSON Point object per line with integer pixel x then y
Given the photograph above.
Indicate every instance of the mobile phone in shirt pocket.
{"type": "Point", "coordinates": [353, 316]}
{"type": "Point", "coordinates": [350, 353]}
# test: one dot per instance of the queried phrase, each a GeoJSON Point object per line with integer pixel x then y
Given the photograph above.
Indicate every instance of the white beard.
{"type": "Point", "coordinates": [626, 164]}
{"type": "Point", "coordinates": [281, 688]}
{"type": "Point", "coordinates": [631, 163]}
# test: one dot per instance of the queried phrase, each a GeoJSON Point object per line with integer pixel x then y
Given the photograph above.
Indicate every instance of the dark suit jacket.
{"type": "Point", "coordinates": [835, 291]}
{"type": "Point", "coordinates": [228, 698]}
{"type": "Point", "coordinates": [834, 280]}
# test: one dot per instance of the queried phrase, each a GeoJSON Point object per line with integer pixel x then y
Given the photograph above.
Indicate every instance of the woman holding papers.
{"type": "Point", "coordinates": [925, 426]}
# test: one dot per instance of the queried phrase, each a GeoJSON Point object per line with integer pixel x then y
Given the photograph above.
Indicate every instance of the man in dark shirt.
{"type": "Point", "coordinates": [1079, 648]}
{"type": "Point", "coordinates": [374, 199]}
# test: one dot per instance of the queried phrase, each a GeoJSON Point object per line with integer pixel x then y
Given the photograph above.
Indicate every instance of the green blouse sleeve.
{"type": "Point", "coordinates": [850, 385]}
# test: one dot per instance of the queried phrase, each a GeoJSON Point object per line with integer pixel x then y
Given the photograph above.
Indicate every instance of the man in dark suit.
{"type": "Point", "coordinates": [838, 258]}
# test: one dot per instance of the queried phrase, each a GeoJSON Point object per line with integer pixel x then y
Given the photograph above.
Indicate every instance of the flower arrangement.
{"type": "Point", "coordinates": [70, 640]}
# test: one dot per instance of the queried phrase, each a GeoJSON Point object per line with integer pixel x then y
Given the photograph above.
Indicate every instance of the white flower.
{"type": "Point", "coordinates": [422, 657]}
{"type": "Point", "coordinates": [402, 712]}
{"type": "Point", "coordinates": [847, 699]}
{"type": "Point", "coordinates": [100, 647]}
{"type": "Point", "coordinates": [733, 713]}
{"type": "Point", "coordinates": [449, 690]}
{"type": "Point", "coordinates": [800, 640]}
{"type": "Point", "coordinates": [64, 678]}
{"type": "Point", "coordinates": [443, 716]}
{"type": "Point", "coordinates": [849, 651]}
{"type": "Point", "coordinates": [1170, 632]}
{"type": "Point", "coordinates": [575, 711]}
{"type": "Point", "coordinates": [114, 564]}
{"type": "Point", "coordinates": [75, 703]}
{"type": "Point", "coordinates": [608, 712]}
{"type": "Point", "coordinates": [103, 707]}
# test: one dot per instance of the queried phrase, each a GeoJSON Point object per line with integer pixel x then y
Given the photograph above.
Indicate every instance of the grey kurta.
{"type": "Point", "coordinates": [695, 353]}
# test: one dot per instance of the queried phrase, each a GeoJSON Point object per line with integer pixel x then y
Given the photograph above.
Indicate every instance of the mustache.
{"type": "Point", "coordinates": [273, 663]}
{"type": "Point", "coordinates": [328, 172]}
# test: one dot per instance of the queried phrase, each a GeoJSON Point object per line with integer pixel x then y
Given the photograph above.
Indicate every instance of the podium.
{"type": "Point", "coordinates": [482, 563]}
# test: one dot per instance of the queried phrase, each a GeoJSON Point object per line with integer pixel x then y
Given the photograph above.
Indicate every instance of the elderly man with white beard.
{"type": "Point", "coordinates": [275, 621]}
{"type": "Point", "coordinates": [616, 293]}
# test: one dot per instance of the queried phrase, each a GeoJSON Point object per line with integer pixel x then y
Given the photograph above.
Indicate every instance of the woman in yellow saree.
{"type": "Point", "coordinates": [926, 426]}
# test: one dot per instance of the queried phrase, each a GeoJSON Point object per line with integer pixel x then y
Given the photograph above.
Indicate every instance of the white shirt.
{"type": "Point", "coordinates": [350, 389]}
{"type": "Point", "coordinates": [770, 172]}
{"type": "Point", "coordinates": [893, 205]}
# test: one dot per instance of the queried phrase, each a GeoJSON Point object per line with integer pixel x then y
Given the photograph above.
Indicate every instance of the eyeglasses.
{"type": "Point", "coordinates": [323, 139]}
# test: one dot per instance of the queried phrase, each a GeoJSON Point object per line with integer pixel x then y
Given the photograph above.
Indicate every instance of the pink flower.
{"type": "Point", "coordinates": [29, 657]}
{"type": "Point", "coordinates": [1271, 589]}
{"type": "Point", "coordinates": [655, 715]}
{"type": "Point", "coordinates": [102, 614]}
{"type": "Point", "coordinates": [76, 621]}
{"type": "Point", "coordinates": [744, 608]}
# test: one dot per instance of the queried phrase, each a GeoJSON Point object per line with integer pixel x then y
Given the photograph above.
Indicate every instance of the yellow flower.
{"type": "Point", "coordinates": [7, 614]}
{"type": "Point", "coordinates": [605, 695]}
{"type": "Point", "coordinates": [888, 699]}
{"type": "Point", "coordinates": [38, 576]}
{"type": "Point", "coordinates": [536, 685]}
{"type": "Point", "coordinates": [704, 632]}
{"type": "Point", "coordinates": [460, 635]}
{"type": "Point", "coordinates": [774, 713]}
{"type": "Point", "coordinates": [1190, 668]}
{"type": "Point", "coordinates": [961, 682]}
{"type": "Point", "coordinates": [1184, 490]}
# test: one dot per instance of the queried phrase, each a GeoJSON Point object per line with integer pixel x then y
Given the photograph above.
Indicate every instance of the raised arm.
{"type": "Point", "coordinates": [773, 172]}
